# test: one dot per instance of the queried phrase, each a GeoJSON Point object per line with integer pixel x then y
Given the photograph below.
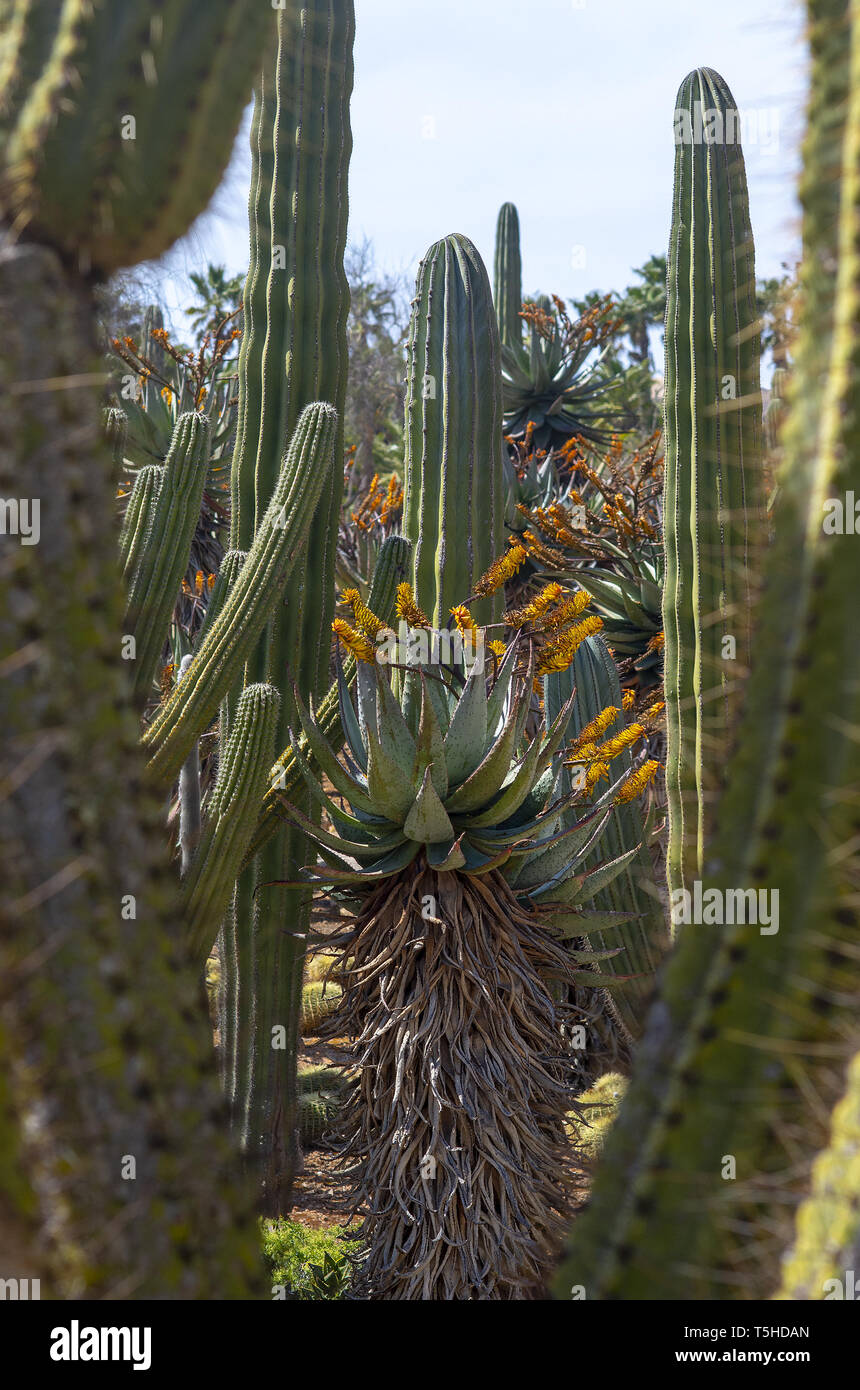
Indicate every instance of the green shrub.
{"type": "Point", "coordinates": [312, 1265]}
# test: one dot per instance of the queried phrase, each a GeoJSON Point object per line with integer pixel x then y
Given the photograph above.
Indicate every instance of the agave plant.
{"type": "Point", "coordinates": [452, 845]}
{"type": "Point", "coordinates": [556, 385]}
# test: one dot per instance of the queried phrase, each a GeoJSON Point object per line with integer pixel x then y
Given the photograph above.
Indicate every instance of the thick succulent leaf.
{"type": "Point", "coordinates": [328, 761]}
{"type": "Point", "coordinates": [365, 685]}
{"type": "Point", "coordinates": [350, 848]}
{"type": "Point", "coordinates": [466, 738]}
{"type": "Point", "coordinates": [514, 794]}
{"type": "Point", "coordinates": [489, 776]}
{"type": "Point", "coordinates": [480, 863]}
{"type": "Point", "coordinates": [391, 864]}
{"type": "Point", "coordinates": [391, 727]}
{"type": "Point", "coordinates": [428, 820]}
{"type": "Point", "coordinates": [582, 887]}
{"type": "Point", "coordinates": [595, 980]}
{"type": "Point", "coordinates": [349, 719]}
{"type": "Point", "coordinates": [430, 752]}
{"type": "Point", "coordinates": [357, 826]}
{"type": "Point", "coordinates": [555, 859]}
{"type": "Point", "coordinates": [498, 695]}
{"type": "Point", "coordinates": [534, 804]}
{"type": "Point", "coordinates": [579, 923]}
{"type": "Point", "coordinates": [445, 857]}
{"type": "Point", "coordinates": [391, 788]}
{"type": "Point", "coordinates": [594, 957]}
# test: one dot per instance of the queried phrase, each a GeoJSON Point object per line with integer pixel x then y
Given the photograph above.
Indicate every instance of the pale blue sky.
{"type": "Point", "coordinates": [561, 106]}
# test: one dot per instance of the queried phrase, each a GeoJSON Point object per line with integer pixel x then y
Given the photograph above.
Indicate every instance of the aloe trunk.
{"type": "Point", "coordinates": [713, 504]}
{"type": "Point", "coordinates": [751, 1019]}
{"type": "Point", "coordinates": [454, 489]}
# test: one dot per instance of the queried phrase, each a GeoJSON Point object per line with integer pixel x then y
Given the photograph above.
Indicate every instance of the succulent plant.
{"type": "Point", "coordinates": [452, 509]}
{"type": "Point", "coordinates": [508, 277]}
{"type": "Point", "coordinates": [713, 512]}
{"type": "Point", "coordinates": [447, 841]}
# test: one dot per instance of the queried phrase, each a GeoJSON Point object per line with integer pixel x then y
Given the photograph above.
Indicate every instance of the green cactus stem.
{"type": "Point", "coordinates": [232, 637]}
{"type": "Point", "coordinates": [105, 1050]}
{"type": "Point", "coordinates": [242, 776]}
{"type": "Point", "coordinates": [752, 1019]}
{"type": "Point", "coordinates": [508, 276]}
{"type": "Point", "coordinates": [163, 556]}
{"type": "Point", "coordinates": [189, 794]}
{"type": "Point", "coordinates": [137, 521]}
{"type": "Point", "coordinates": [102, 154]}
{"type": "Point", "coordinates": [454, 488]}
{"type": "Point", "coordinates": [713, 503]}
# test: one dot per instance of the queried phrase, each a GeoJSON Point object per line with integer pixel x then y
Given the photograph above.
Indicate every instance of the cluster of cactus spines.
{"type": "Point", "coordinates": [137, 519]}
{"type": "Point", "coordinates": [105, 1051]}
{"type": "Point", "coordinates": [827, 1241]}
{"type": "Point", "coordinates": [231, 639]}
{"type": "Point", "coordinates": [508, 276]}
{"type": "Point", "coordinates": [294, 350]}
{"type": "Point", "coordinates": [753, 1021]}
{"type": "Point", "coordinates": [228, 572]}
{"type": "Point", "coordinates": [162, 558]}
{"type": "Point", "coordinates": [244, 765]}
{"type": "Point", "coordinates": [391, 569]}
{"type": "Point", "coordinates": [102, 155]}
{"type": "Point", "coordinates": [593, 679]}
{"type": "Point", "coordinates": [116, 432]}
{"type": "Point", "coordinates": [713, 502]}
{"type": "Point", "coordinates": [454, 482]}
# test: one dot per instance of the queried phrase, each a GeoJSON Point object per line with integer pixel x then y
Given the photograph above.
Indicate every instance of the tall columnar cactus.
{"type": "Point", "coordinates": [162, 557]}
{"type": "Point", "coordinates": [508, 276]}
{"type": "Point", "coordinates": [294, 350]}
{"type": "Point", "coordinates": [243, 772]}
{"type": "Point", "coordinates": [752, 1018]}
{"type": "Point", "coordinates": [593, 680]}
{"type": "Point", "coordinates": [454, 491]}
{"type": "Point", "coordinates": [109, 1060]}
{"type": "Point", "coordinates": [102, 155]}
{"type": "Point", "coordinates": [231, 638]}
{"type": "Point", "coordinates": [126, 1178]}
{"type": "Point", "coordinates": [713, 468]}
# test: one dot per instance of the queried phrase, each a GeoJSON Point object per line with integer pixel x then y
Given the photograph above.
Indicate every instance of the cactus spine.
{"type": "Point", "coordinates": [508, 277]}
{"type": "Point", "coordinates": [163, 556]}
{"type": "Point", "coordinates": [294, 350]}
{"type": "Point", "coordinates": [230, 640]}
{"type": "Point", "coordinates": [749, 1022]}
{"type": "Point", "coordinates": [454, 492]}
{"type": "Point", "coordinates": [713, 477]}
